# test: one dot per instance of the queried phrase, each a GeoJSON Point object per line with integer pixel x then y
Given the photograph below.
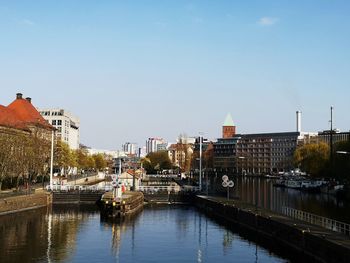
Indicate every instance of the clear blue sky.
{"type": "Point", "coordinates": [137, 69]}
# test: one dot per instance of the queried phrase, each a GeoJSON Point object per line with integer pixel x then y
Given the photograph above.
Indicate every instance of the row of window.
{"type": "Point", "coordinates": [57, 122]}
{"type": "Point", "coordinates": [48, 113]}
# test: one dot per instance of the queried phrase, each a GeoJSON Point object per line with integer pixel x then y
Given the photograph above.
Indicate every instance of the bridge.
{"type": "Point", "coordinates": [79, 194]}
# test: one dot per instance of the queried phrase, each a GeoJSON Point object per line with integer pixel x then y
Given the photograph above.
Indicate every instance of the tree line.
{"type": "Point", "coordinates": [25, 158]}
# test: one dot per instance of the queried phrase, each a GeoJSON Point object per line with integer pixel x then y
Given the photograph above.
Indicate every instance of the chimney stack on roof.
{"type": "Point", "coordinates": [29, 99]}
{"type": "Point", "coordinates": [19, 96]}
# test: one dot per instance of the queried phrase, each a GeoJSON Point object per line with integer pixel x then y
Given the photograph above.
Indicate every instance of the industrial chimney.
{"type": "Point", "coordinates": [298, 121]}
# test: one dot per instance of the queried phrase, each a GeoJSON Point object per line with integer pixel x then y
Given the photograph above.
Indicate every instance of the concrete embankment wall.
{"type": "Point", "coordinates": [25, 202]}
{"type": "Point", "coordinates": [313, 242]}
{"type": "Point", "coordinates": [76, 197]}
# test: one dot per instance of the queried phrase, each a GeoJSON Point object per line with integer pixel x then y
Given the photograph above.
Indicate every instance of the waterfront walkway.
{"type": "Point", "coordinates": [38, 187]}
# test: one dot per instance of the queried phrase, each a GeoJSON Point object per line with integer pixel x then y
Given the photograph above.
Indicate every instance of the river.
{"type": "Point", "coordinates": [157, 234]}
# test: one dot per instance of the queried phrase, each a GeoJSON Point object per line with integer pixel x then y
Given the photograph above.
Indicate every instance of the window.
{"type": "Point", "coordinates": [53, 122]}
{"type": "Point", "coordinates": [59, 122]}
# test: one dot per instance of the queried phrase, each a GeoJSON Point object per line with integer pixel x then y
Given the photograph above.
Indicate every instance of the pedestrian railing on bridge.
{"type": "Point", "coordinates": [109, 187]}
{"type": "Point", "coordinates": [81, 188]}
{"type": "Point", "coordinates": [170, 188]}
{"type": "Point", "coordinates": [317, 220]}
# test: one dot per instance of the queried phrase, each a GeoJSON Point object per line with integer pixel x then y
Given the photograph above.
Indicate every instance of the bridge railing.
{"type": "Point", "coordinates": [86, 188]}
{"type": "Point", "coordinates": [108, 187]}
{"type": "Point", "coordinates": [325, 222]}
{"type": "Point", "coordinates": [155, 189]}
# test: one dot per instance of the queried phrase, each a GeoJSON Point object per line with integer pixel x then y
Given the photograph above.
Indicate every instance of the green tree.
{"type": "Point", "coordinates": [156, 161]}
{"type": "Point", "coordinates": [63, 156]}
{"type": "Point", "coordinates": [100, 162]}
{"type": "Point", "coordinates": [312, 158]}
{"type": "Point", "coordinates": [90, 164]}
{"type": "Point", "coordinates": [82, 159]}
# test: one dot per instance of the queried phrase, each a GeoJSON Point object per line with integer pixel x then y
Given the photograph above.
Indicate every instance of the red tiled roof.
{"type": "Point", "coordinates": [9, 119]}
{"type": "Point", "coordinates": [20, 114]}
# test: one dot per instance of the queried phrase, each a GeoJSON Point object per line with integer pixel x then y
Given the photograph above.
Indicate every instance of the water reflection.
{"type": "Point", "coordinates": [157, 234]}
{"type": "Point", "coordinates": [262, 192]}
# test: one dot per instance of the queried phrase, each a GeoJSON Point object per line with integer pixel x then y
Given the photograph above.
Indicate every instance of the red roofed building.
{"type": "Point", "coordinates": [22, 115]}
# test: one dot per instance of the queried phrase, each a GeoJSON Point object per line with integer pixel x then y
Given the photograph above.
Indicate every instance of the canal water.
{"type": "Point", "coordinates": [157, 234]}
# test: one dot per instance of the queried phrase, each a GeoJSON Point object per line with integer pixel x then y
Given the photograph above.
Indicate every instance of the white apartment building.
{"type": "Point", "coordinates": [130, 148]}
{"type": "Point", "coordinates": [67, 125]}
{"type": "Point", "coordinates": [152, 144]}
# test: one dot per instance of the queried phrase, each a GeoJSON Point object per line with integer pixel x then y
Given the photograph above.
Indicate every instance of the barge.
{"type": "Point", "coordinates": [119, 207]}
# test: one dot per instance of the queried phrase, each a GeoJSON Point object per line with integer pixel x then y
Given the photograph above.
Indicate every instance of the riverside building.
{"type": "Point", "coordinates": [22, 116]}
{"type": "Point", "coordinates": [259, 153]}
{"type": "Point", "coordinates": [67, 126]}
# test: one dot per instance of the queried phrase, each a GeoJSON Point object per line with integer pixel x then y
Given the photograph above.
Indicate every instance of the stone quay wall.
{"type": "Point", "coordinates": [24, 202]}
{"type": "Point", "coordinates": [311, 242]}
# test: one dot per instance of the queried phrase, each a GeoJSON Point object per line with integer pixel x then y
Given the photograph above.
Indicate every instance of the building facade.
{"type": "Point", "coordinates": [152, 144]}
{"type": "Point", "coordinates": [260, 153]}
{"type": "Point", "coordinates": [22, 116]}
{"type": "Point", "coordinates": [67, 126]}
{"type": "Point", "coordinates": [337, 135]}
{"type": "Point", "coordinates": [130, 148]}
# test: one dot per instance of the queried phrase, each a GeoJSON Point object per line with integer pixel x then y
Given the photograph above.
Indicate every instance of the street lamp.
{"type": "Point", "coordinates": [51, 159]}
{"type": "Point", "coordinates": [200, 161]}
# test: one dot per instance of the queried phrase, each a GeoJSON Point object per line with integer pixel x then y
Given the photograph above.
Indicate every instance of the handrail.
{"type": "Point", "coordinates": [69, 188]}
{"type": "Point", "coordinates": [108, 187]}
{"type": "Point", "coordinates": [169, 188]}
{"type": "Point", "coordinates": [325, 222]}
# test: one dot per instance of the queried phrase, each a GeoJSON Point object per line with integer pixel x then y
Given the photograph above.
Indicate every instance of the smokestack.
{"type": "Point", "coordinates": [29, 99]}
{"type": "Point", "coordinates": [19, 96]}
{"type": "Point", "coordinates": [298, 121]}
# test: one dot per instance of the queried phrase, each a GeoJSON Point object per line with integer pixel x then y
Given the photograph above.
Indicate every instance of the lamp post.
{"type": "Point", "coordinates": [51, 159]}
{"type": "Point", "coordinates": [200, 161]}
{"type": "Point", "coordinates": [331, 142]}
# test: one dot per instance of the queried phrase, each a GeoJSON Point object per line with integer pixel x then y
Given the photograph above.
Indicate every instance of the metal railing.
{"type": "Point", "coordinates": [317, 220]}
{"type": "Point", "coordinates": [155, 189]}
{"type": "Point", "coordinates": [109, 187]}
{"type": "Point", "coordinates": [86, 188]}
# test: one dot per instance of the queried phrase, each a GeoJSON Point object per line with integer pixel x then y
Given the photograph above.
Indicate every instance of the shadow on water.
{"type": "Point", "coordinates": [176, 233]}
{"type": "Point", "coordinates": [272, 246]}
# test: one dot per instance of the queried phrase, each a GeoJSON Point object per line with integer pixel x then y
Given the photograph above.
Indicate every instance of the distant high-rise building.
{"type": "Point", "coordinates": [130, 148]}
{"type": "Point", "coordinates": [67, 125]}
{"type": "Point", "coordinates": [152, 144]}
{"type": "Point", "coordinates": [142, 152]}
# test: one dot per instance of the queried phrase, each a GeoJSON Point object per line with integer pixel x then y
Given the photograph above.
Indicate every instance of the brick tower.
{"type": "Point", "coordinates": [229, 128]}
